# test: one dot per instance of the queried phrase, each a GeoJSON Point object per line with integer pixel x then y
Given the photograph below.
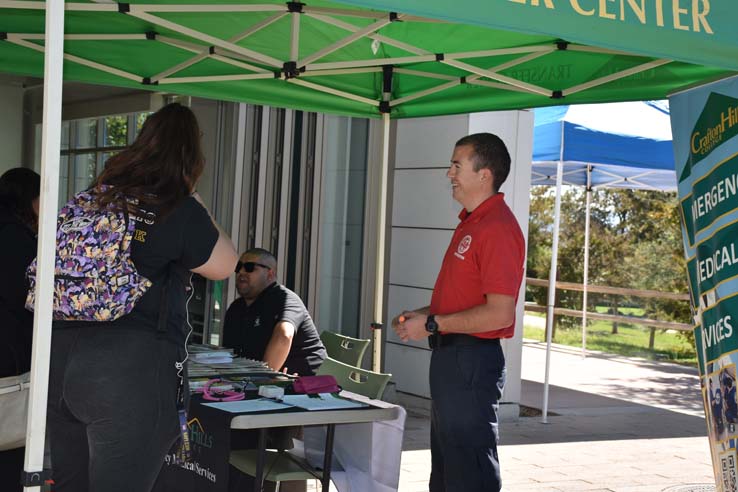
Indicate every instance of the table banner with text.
{"type": "Point", "coordinates": [704, 124]}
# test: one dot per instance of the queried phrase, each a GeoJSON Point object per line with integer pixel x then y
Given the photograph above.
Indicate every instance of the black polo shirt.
{"type": "Point", "coordinates": [248, 329]}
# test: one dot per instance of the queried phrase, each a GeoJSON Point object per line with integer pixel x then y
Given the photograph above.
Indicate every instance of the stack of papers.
{"type": "Point", "coordinates": [214, 357]}
{"type": "Point", "coordinates": [324, 401]}
{"type": "Point", "coordinates": [249, 406]}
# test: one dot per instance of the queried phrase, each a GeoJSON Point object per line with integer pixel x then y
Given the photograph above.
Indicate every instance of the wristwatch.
{"type": "Point", "coordinates": [430, 325]}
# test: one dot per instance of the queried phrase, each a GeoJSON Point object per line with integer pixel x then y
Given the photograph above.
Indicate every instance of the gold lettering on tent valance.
{"type": "Point", "coordinates": [681, 15]}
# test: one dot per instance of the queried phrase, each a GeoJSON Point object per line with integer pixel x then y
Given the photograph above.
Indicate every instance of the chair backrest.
{"type": "Point", "coordinates": [360, 381]}
{"type": "Point", "coordinates": [344, 349]}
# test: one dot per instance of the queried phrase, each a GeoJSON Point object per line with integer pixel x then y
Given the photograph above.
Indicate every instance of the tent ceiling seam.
{"type": "Point", "coordinates": [370, 29]}
{"type": "Point", "coordinates": [195, 8]}
{"type": "Point", "coordinates": [496, 76]}
{"type": "Point", "coordinates": [216, 78]}
{"type": "Point", "coordinates": [615, 76]}
{"type": "Point", "coordinates": [141, 14]}
{"type": "Point", "coordinates": [86, 37]}
{"type": "Point", "coordinates": [496, 85]}
{"type": "Point", "coordinates": [184, 45]}
{"type": "Point", "coordinates": [378, 37]}
{"type": "Point", "coordinates": [426, 92]}
{"type": "Point", "coordinates": [178, 68]}
{"type": "Point", "coordinates": [523, 59]}
{"type": "Point", "coordinates": [348, 71]}
{"type": "Point", "coordinates": [335, 92]}
{"type": "Point", "coordinates": [420, 73]}
{"type": "Point", "coordinates": [17, 40]}
{"type": "Point", "coordinates": [602, 51]}
{"type": "Point", "coordinates": [366, 14]}
{"type": "Point", "coordinates": [212, 52]}
{"type": "Point", "coordinates": [373, 63]}
{"type": "Point", "coordinates": [199, 8]}
{"type": "Point", "coordinates": [240, 64]}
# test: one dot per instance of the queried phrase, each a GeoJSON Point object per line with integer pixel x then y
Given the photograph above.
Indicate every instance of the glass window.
{"type": "Point", "coordinates": [85, 132]}
{"type": "Point", "coordinates": [342, 224]}
{"type": "Point", "coordinates": [115, 131]}
{"type": "Point", "coordinates": [140, 118]}
{"type": "Point", "coordinates": [63, 180]}
{"type": "Point", "coordinates": [108, 155]}
{"type": "Point", "coordinates": [37, 148]}
{"type": "Point", "coordinates": [85, 171]}
{"type": "Point", "coordinates": [85, 146]}
{"type": "Point", "coordinates": [64, 135]}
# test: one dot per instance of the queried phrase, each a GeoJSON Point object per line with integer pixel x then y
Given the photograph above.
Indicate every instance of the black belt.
{"type": "Point", "coordinates": [437, 341]}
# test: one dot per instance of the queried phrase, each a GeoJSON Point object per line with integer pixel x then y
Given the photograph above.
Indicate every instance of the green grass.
{"type": "Point", "coordinates": [626, 311]}
{"type": "Point", "coordinates": [630, 341]}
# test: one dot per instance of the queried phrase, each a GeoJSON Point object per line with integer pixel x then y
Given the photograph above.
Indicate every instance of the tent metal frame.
{"type": "Point", "coordinates": [634, 182]}
{"type": "Point", "coordinates": [48, 200]}
{"type": "Point", "coordinates": [257, 66]}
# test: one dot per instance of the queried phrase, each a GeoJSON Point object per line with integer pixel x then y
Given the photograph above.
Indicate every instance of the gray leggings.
{"type": "Point", "coordinates": [112, 412]}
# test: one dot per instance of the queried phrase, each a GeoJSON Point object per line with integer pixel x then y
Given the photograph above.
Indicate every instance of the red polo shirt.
{"type": "Point", "coordinates": [485, 256]}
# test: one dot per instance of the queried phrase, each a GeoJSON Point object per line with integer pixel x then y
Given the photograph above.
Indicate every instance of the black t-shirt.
{"type": "Point", "coordinates": [248, 329]}
{"type": "Point", "coordinates": [164, 250]}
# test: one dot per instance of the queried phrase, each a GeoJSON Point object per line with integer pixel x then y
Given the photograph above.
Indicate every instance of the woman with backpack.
{"type": "Point", "coordinates": [116, 388]}
{"type": "Point", "coordinates": [19, 190]}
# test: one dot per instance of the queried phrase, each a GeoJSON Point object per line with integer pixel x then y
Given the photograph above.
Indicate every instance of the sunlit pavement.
{"type": "Point", "coordinates": [623, 425]}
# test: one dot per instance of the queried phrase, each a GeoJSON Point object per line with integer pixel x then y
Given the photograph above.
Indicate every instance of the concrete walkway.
{"type": "Point", "coordinates": [622, 425]}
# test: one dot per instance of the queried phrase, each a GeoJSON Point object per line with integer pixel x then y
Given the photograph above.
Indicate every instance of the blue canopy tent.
{"type": "Point", "coordinates": [622, 145]}
{"type": "Point", "coordinates": [617, 145]}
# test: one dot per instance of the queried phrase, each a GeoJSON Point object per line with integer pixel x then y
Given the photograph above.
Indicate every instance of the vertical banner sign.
{"type": "Point", "coordinates": [705, 128]}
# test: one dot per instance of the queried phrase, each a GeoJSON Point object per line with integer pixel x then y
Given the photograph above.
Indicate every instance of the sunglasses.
{"type": "Point", "coordinates": [249, 266]}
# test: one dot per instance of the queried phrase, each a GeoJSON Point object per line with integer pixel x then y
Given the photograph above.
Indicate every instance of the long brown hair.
{"type": "Point", "coordinates": [162, 166]}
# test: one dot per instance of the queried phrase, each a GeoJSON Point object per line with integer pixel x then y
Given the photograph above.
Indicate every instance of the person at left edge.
{"type": "Point", "coordinates": [19, 190]}
{"type": "Point", "coordinates": [269, 322]}
{"type": "Point", "coordinates": [112, 411]}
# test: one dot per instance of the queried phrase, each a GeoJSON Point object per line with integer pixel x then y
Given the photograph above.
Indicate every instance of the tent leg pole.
{"type": "Point", "coordinates": [381, 248]}
{"type": "Point", "coordinates": [552, 285]}
{"type": "Point", "coordinates": [49, 198]}
{"type": "Point", "coordinates": [586, 260]}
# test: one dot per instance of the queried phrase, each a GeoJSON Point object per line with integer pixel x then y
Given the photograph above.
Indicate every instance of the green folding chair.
{"type": "Point", "coordinates": [354, 379]}
{"type": "Point", "coordinates": [344, 349]}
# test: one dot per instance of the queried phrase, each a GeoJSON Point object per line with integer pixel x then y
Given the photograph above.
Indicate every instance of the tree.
{"type": "Point", "coordinates": [635, 242]}
{"type": "Point", "coordinates": [540, 227]}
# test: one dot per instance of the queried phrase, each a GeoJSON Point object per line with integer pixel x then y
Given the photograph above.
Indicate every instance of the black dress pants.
{"type": "Point", "coordinates": [466, 379]}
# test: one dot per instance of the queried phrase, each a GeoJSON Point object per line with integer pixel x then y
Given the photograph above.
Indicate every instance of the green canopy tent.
{"type": "Point", "coordinates": [432, 58]}
{"type": "Point", "coordinates": [327, 57]}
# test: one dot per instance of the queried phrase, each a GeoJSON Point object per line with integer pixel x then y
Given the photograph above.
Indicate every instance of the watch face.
{"type": "Point", "coordinates": [430, 325]}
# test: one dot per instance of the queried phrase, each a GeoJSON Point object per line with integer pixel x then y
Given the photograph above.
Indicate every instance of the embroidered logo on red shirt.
{"type": "Point", "coordinates": [463, 247]}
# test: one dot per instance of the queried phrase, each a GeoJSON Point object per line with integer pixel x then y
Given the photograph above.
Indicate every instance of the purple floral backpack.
{"type": "Point", "coordinates": [94, 276]}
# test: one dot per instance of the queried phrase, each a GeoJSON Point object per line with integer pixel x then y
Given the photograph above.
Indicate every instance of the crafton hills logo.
{"type": "Point", "coordinates": [717, 124]}
{"type": "Point", "coordinates": [198, 435]}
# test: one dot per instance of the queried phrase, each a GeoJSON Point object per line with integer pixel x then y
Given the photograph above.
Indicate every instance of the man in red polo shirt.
{"type": "Point", "coordinates": [472, 308]}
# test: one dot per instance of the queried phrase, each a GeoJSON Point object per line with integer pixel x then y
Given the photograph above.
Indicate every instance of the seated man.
{"type": "Point", "coordinates": [269, 322]}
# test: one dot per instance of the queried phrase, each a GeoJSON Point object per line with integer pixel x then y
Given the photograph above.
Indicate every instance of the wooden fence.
{"type": "Point", "coordinates": [616, 318]}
